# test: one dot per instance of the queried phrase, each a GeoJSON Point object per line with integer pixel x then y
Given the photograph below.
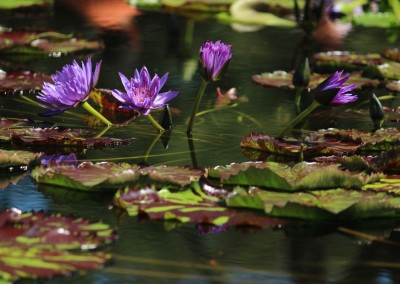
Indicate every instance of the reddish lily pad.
{"type": "Point", "coordinates": [280, 176]}
{"type": "Point", "coordinates": [325, 142]}
{"type": "Point", "coordinates": [284, 79]}
{"type": "Point", "coordinates": [94, 177]}
{"type": "Point", "coordinates": [338, 204]}
{"type": "Point", "coordinates": [20, 133]}
{"type": "Point", "coordinates": [47, 43]}
{"type": "Point", "coordinates": [33, 245]}
{"type": "Point", "coordinates": [190, 205]}
{"type": "Point", "coordinates": [393, 85]}
{"type": "Point", "coordinates": [392, 54]}
{"type": "Point", "coordinates": [21, 81]}
{"type": "Point", "coordinates": [14, 160]}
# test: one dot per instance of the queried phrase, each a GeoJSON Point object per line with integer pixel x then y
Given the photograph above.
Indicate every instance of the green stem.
{"type": "Point", "coordinates": [298, 118]}
{"type": "Point", "coordinates": [155, 123]}
{"type": "Point", "coordinates": [197, 104]}
{"type": "Point", "coordinates": [151, 146]}
{"type": "Point", "coordinates": [95, 113]}
{"type": "Point", "coordinates": [297, 99]}
{"type": "Point", "coordinates": [102, 132]}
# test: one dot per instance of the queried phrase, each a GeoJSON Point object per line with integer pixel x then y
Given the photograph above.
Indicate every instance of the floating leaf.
{"type": "Point", "coordinates": [87, 176]}
{"type": "Point", "coordinates": [390, 70]}
{"type": "Point", "coordinates": [338, 204]}
{"type": "Point", "coordinates": [12, 4]}
{"type": "Point", "coordinates": [47, 43]}
{"type": "Point", "coordinates": [19, 132]}
{"type": "Point", "coordinates": [325, 142]}
{"type": "Point", "coordinates": [279, 176]}
{"type": "Point", "coordinates": [11, 160]}
{"type": "Point", "coordinates": [392, 54]}
{"type": "Point", "coordinates": [190, 205]}
{"type": "Point", "coordinates": [328, 62]}
{"type": "Point", "coordinates": [393, 85]}
{"type": "Point", "coordinates": [389, 184]}
{"type": "Point", "coordinates": [33, 245]}
{"type": "Point", "coordinates": [284, 79]}
{"type": "Point", "coordinates": [21, 81]}
{"type": "Point", "coordinates": [93, 177]}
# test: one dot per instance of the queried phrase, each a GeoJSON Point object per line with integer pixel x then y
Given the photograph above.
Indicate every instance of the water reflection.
{"type": "Point", "coordinates": [23, 196]}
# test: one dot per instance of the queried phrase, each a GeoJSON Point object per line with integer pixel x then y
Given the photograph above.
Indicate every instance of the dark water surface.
{"type": "Point", "coordinates": [156, 252]}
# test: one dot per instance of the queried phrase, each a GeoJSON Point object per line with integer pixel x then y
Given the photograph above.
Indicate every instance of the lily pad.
{"type": "Point", "coordinates": [337, 204]}
{"type": "Point", "coordinates": [326, 142]}
{"type": "Point", "coordinates": [34, 245]}
{"type": "Point", "coordinates": [390, 70]}
{"type": "Point", "coordinates": [17, 160]}
{"type": "Point", "coordinates": [190, 205]}
{"type": "Point", "coordinates": [392, 54]}
{"type": "Point", "coordinates": [389, 184]}
{"type": "Point", "coordinates": [20, 133]}
{"type": "Point", "coordinates": [46, 43]}
{"type": "Point", "coordinates": [328, 62]}
{"type": "Point", "coordinates": [280, 176]}
{"type": "Point", "coordinates": [393, 85]}
{"type": "Point", "coordinates": [284, 79]}
{"type": "Point", "coordinates": [12, 4]}
{"type": "Point", "coordinates": [94, 177]}
{"type": "Point", "coordinates": [21, 81]}
{"type": "Point", "coordinates": [377, 19]}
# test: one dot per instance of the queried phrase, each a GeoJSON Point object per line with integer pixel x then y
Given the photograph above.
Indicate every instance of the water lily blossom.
{"type": "Point", "coordinates": [214, 59]}
{"type": "Point", "coordinates": [331, 91]}
{"type": "Point", "coordinates": [71, 87]}
{"type": "Point", "coordinates": [142, 93]}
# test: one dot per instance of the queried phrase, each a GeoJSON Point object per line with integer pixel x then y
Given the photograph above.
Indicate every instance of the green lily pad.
{"type": "Point", "coordinates": [21, 81]}
{"type": "Point", "coordinates": [389, 184]}
{"type": "Point", "coordinates": [279, 176]}
{"type": "Point", "coordinates": [393, 85]}
{"type": "Point", "coordinates": [12, 4]}
{"type": "Point", "coordinates": [337, 204]}
{"type": "Point", "coordinates": [94, 177]}
{"type": "Point", "coordinates": [34, 245]}
{"type": "Point", "coordinates": [12, 160]}
{"type": "Point", "coordinates": [390, 70]}
{"type": "Point", "coordinates": [284, 79]}
{"type": "Point", "coordinates": [190, 205]}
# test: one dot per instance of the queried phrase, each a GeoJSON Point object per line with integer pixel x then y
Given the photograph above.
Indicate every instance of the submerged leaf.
{"type": "Point", "coordinates": [278, 176]}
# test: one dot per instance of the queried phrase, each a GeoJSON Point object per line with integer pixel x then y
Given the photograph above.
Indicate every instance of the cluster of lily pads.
{"type": "Point", "coordinates": [328, 174]}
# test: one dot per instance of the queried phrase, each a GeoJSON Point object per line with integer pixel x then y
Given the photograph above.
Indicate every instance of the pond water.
{"type": "Point", "coordinates": [157, 252]}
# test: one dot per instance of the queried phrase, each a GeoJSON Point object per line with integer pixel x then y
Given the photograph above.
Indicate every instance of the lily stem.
{"type": "Point", "coordinates": [197, 104]}
{"type": "Point", "coordinates": [299, 117]}
{"type": "Point", "coordinates": [155, 123]}
{"type": "Point", "coordinates": [297, 99]}
{"type": "Point", "coordinates": [95, 113]}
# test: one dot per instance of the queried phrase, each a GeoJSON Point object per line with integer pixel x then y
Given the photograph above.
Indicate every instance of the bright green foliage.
{"type": "Point", "coordinates": [379, 20]}
{"type": "Point", "coordinates": [318, 205]}
{"type": "Point", "coordinates": [13, 4]}
{"type": "Point", "coordinates": [278, 176]}
{"type": "Point", "coordinates": [194, 204]}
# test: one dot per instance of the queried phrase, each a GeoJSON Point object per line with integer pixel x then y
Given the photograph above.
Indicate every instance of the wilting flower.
{"type": "Point", "coordinates": [143, 93]}
{"type": "Point", "coordinates": [333, 92]}
{"type": "Point", "coordinates": [214, 59]}
{"type": "Point", "coordinates": [70, 87]}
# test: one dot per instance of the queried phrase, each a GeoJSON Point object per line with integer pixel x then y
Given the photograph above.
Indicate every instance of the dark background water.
{"type": "Point", "coordinates": [156, 252]}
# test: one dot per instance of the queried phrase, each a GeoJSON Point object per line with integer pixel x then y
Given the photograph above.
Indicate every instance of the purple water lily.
{"type": "Point", "coordinates": [333, 92]}
{"type": "Point", "coordinates": [214, 58]}
{"type": "Point", "coordinates": [70, 87]}
{"type": "Point", "coordinates": [143, 93]}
